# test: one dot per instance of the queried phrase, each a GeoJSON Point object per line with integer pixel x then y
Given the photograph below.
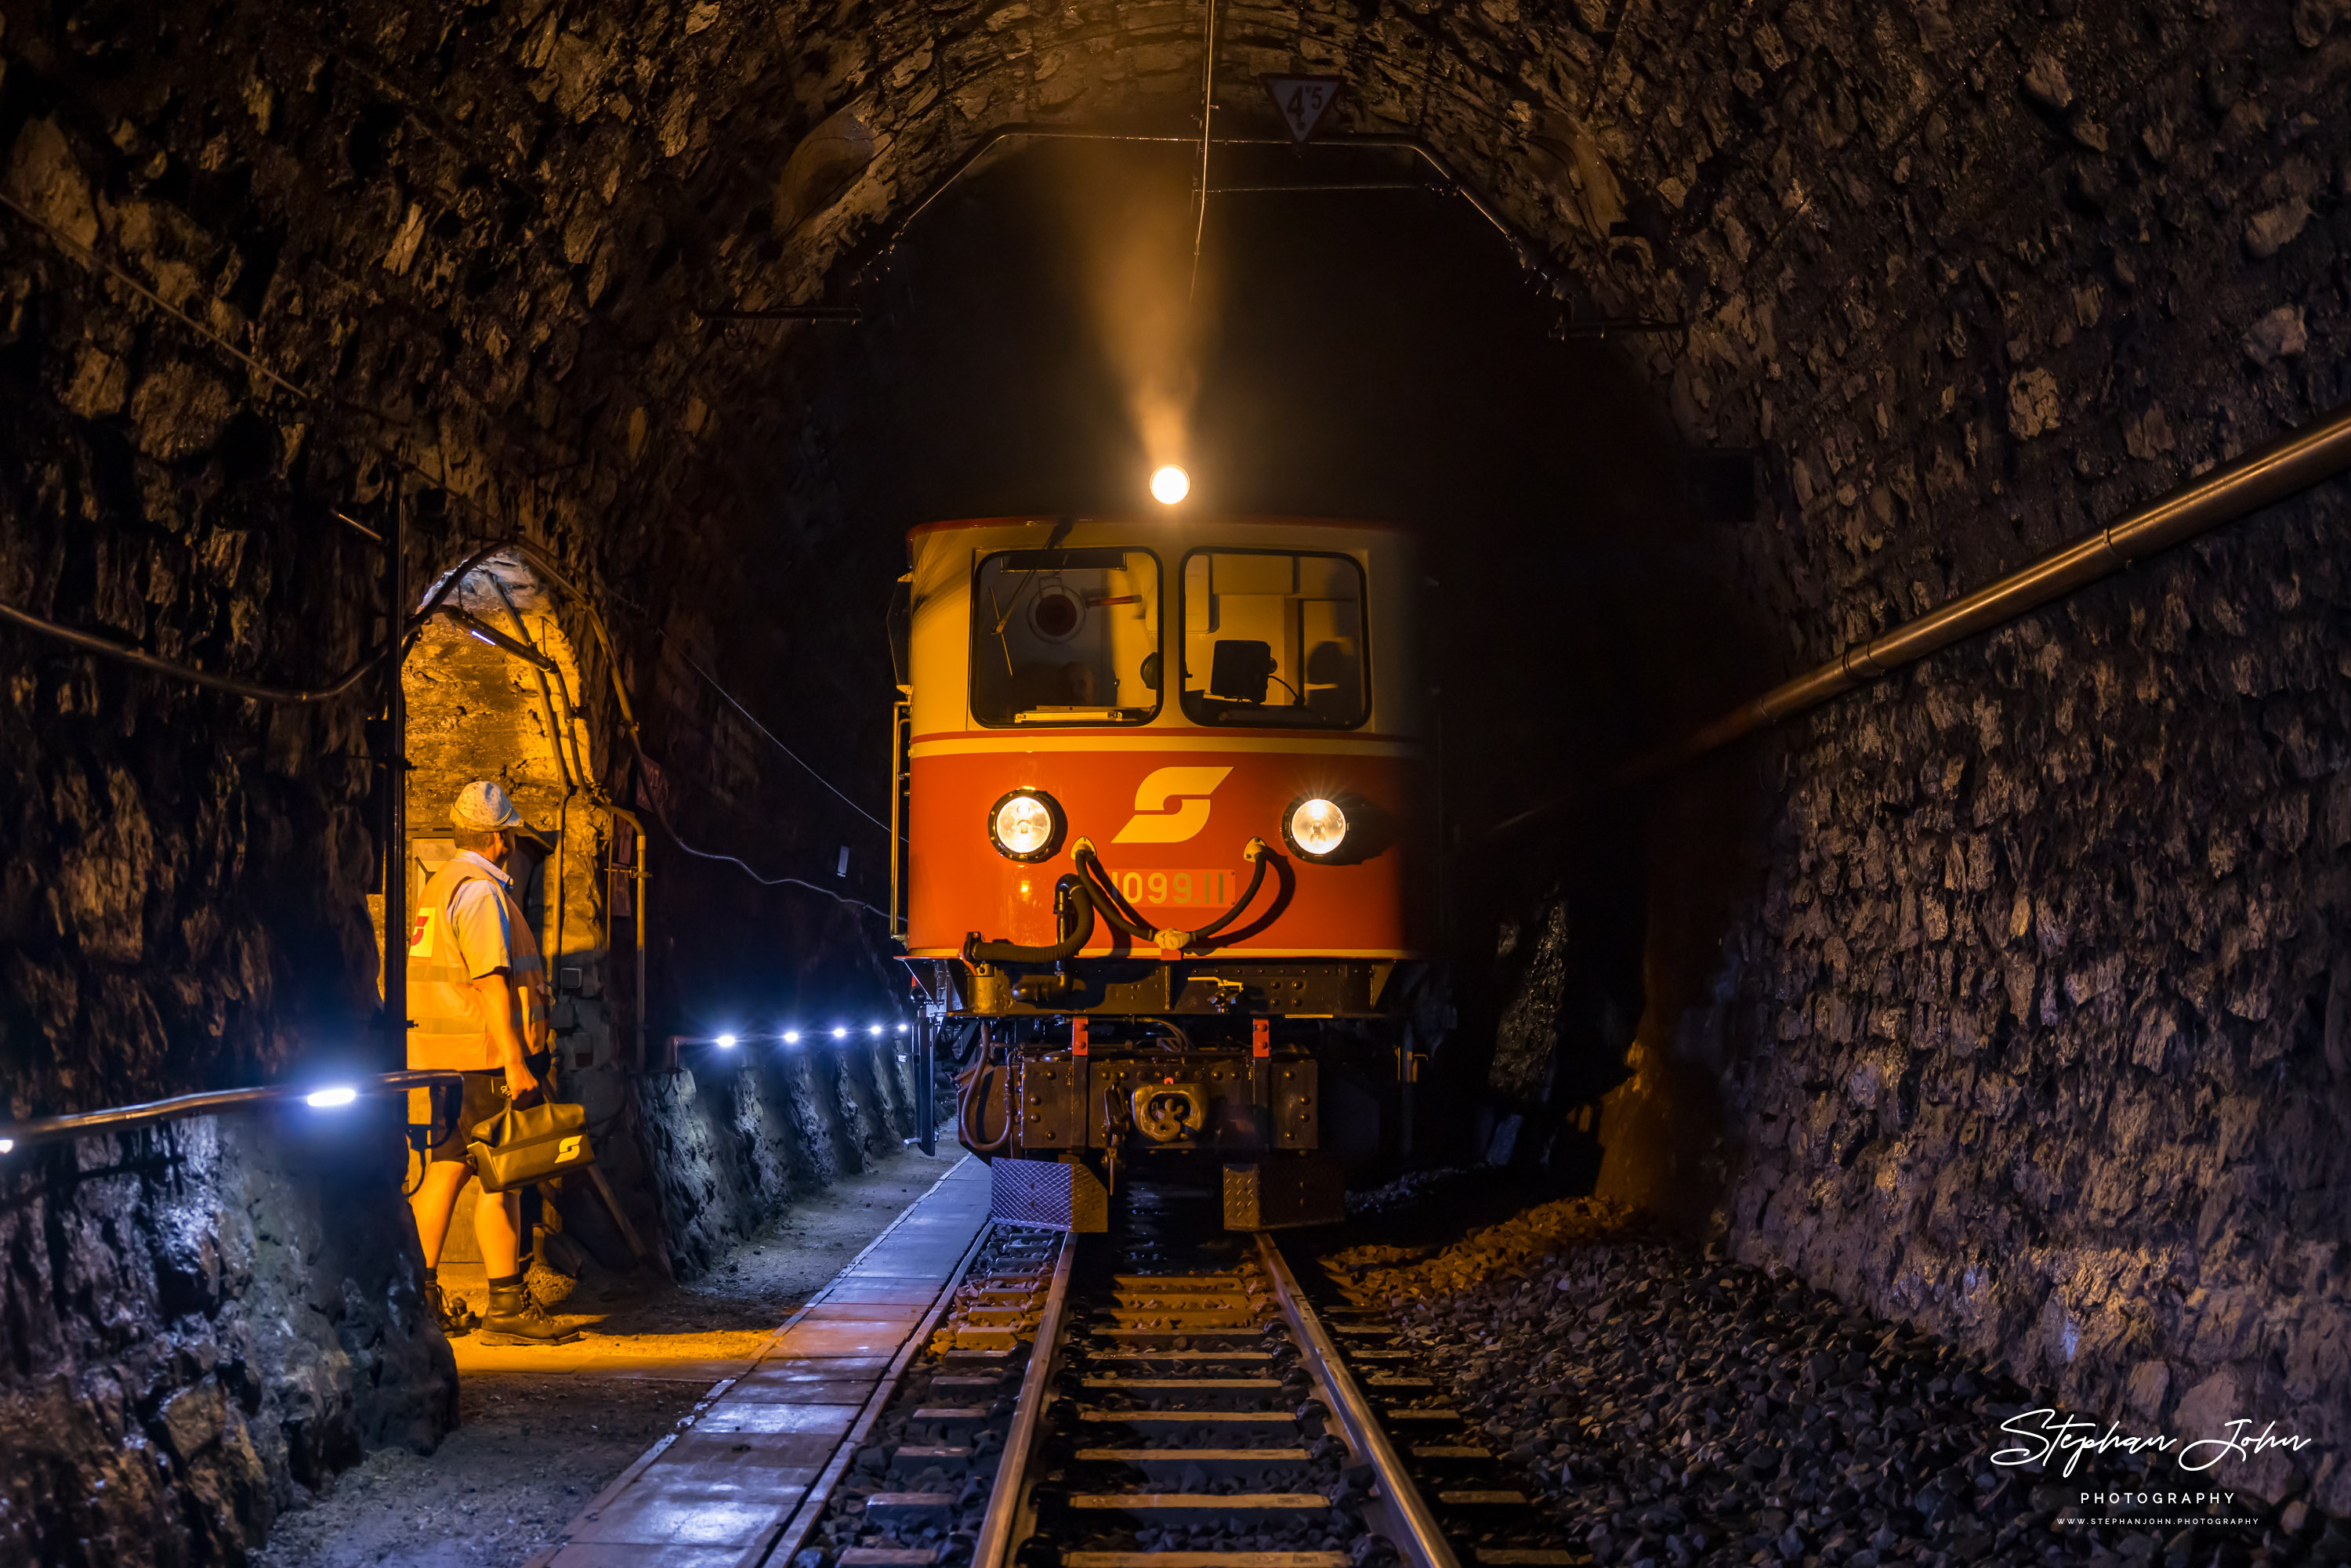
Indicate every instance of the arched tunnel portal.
{"type": "Point", "coordinates": [1696, 345]}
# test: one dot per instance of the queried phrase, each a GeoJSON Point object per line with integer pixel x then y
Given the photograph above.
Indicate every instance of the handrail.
{"type": "Point", "coordinates": [2303, 457]}
{"type": "Point", "coordinates": [179, 1107]}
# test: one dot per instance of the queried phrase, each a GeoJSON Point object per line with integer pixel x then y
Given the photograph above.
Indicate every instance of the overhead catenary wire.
{"type": "Point", "coordinates": [1207, 114]}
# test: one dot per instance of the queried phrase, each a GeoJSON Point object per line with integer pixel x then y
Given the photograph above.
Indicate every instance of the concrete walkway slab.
{"type": "Point", "coordinates": [726, 1487]}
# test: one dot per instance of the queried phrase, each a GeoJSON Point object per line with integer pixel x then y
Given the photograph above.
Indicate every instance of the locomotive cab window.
{"type": "Point", "coordinates": [1065, 637]}
{"type": "Point", "coordinates": [1273, 638]}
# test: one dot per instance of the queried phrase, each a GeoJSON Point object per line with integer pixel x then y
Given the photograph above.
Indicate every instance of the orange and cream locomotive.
{"type": "Point", "coordinates": [1167, 795]}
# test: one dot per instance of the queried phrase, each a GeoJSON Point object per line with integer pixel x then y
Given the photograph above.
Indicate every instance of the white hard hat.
{"type": "Point", "coordinates": [484, 808]}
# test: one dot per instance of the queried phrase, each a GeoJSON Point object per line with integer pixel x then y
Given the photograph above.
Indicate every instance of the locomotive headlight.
{"type": "Point", "coordinates": [1170, 485]}
{"type": "Point", "coordinates": [1025, 825]}
{"type": "Point", "coordinates": [1316, 828]}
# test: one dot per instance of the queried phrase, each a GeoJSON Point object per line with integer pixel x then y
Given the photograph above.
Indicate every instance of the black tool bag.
{"type": "Point", "coordinates": [518, 1147]}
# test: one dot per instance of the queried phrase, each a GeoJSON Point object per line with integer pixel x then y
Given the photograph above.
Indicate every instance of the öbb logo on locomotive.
{"type": "Point", "coordinates": [1163, 788]}
{"type": "Point", "coordinates": [1157, 821]}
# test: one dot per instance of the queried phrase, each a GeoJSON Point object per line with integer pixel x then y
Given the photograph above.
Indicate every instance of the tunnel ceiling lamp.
{"type": "Point", "coordinates": [901, 1029]}
{"type": "Point", "coordinates": [7, 1146]}
{"type": "Point", "coordinates": [875, 1030]}
{"type": "Point", "coordinates": [331, 1099]}
{"type": "Point", "coordinates": [792, 1037]}
{"type": "Point", "coordinates": [840, 1031]}
{"type": "Point", "coordinates": [1169, 485]}
{"type": "Point", "coordinates": [726, 1042]}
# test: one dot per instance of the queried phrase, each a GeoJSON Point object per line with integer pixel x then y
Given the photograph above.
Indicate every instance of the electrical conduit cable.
{"type": "Point", "coordinates": [434, 605]}
{"type": "Point", "coordinates": [252, 690]}
{"type": "Point", "coordinates": [532, 555]}
{"type": "Point", "coordinates": [971, 1107]}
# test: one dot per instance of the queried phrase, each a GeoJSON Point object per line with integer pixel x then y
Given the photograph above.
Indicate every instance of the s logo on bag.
{"type": "Point", "coordinates": [569, 1149]}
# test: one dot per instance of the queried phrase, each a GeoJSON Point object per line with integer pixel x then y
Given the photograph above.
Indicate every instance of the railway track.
{"type": "Point", "coordinates": [1168, 1397]}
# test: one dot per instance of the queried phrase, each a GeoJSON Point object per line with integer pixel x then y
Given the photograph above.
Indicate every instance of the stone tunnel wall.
{"type": "Point", "coordinates": [734, 1140]}
{"type": "Point", "coordinates": [197, 1321]}
{"type": "Point", "coordinates": [184, 895]}
{"type": "Point", "coordinates": [2032, 1027]}
{"type": "Point", "coordinates": [1970, 275]}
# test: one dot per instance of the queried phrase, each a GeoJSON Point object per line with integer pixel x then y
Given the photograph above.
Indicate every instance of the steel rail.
{"type": "Point", "coordinates": [1424, 1545]}
{"type": "Point", "coordinates": [48, 1129]}
{"type": "Point", "coordinates": [802, 1520]}
{"type": "Point", "coordinates": [1009, 1496]}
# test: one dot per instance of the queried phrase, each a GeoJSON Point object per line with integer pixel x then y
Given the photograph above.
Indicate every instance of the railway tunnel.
{"type": "Point", "coordinates": [1975, 1036]}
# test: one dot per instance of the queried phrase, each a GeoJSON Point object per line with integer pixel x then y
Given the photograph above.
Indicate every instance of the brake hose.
{"type": "Point", "coordinates": [1257, 853]}
{"type": "Point", "coordinates": [1068, 893]}
{"type": "Point", "coordinates": [1124, 915]}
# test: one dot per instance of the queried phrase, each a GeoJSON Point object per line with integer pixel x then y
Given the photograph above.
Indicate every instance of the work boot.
{"type": "Point", "coordinates": [451, 1312]}
{"type": "Point", "coordinates": [515, 1318]}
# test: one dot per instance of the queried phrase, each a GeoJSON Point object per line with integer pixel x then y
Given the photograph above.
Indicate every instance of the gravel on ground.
{"type": "Point", "coordinates": [1673, 1408]}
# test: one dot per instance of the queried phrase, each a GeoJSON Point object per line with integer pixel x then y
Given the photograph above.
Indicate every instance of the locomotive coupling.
{"type": "Point", "coordinates": [1163, 1112]}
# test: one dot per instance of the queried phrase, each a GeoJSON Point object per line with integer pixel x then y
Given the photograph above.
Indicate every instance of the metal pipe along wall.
{"type": "Point", "coordinates": [2293, 462]}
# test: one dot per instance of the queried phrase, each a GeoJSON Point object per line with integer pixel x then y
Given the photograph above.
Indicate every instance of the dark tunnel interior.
{"type": "Point", "coordinates": [1372, 355]}
{"type": "Point", "coordinates": [394, 396]}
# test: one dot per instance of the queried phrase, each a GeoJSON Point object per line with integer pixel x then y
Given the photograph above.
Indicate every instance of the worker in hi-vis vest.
{"type": "Point", "coordinates": [477, 1003]}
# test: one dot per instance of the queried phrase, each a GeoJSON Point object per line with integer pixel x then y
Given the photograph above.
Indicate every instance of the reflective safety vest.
{"type": "Point", "coordinates": [448, 1026]}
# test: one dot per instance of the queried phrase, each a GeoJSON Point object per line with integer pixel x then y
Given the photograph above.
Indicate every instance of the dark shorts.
{"type": "Point", "coordinates": [458, 1110]}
